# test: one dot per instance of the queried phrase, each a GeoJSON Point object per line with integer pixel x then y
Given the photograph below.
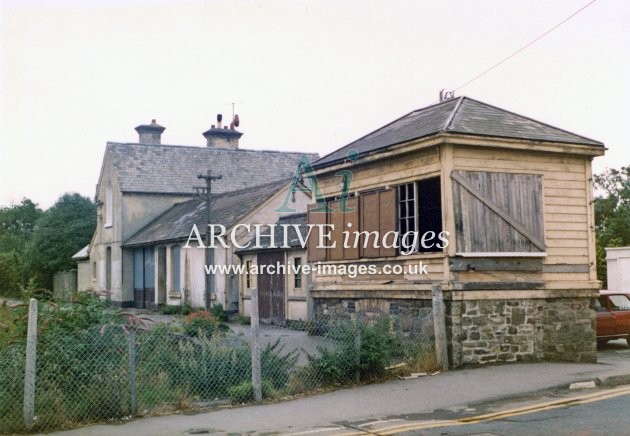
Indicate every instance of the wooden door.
{"type": "Point", "coordinates": [271, 288]}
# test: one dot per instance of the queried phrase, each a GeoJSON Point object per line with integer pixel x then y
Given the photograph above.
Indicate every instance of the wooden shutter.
{"type": "Point", "coordinates": [378, 214]}
{"type": "Point", "coordinates": [315, 254]}
{"type": "Point", "coordinates": [352, 251]}
{"type": "Point", "coordinates": [387, 218]}
{"type": "Point", "coordinates": [498, 212]}
{"type": "Point", "coordinates": [336, 218]}
{"type": "Point", "coordinates": [340, 221]}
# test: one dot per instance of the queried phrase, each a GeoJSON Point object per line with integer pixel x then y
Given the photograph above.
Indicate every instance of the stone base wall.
{"type": "Point", "coordinates": [487, 331]}
{"type": "Point", "coordinates": [326, 307]}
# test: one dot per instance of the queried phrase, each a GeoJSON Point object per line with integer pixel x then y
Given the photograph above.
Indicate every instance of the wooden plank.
{"type": "Point", "coordinates": [567, 234]}
{"type": "Point", "coordinates": [572, 226]}
{"type": "Point", "coordinates": [564, 201]}
{"type": "Point", "coordinates": [576, 210]}
{"type": "Point", "coordinates": [498, 210]}
{"type": "Point", "coordinates": [480, 153]}
{"type": "Point", "coordinates": [564, 251]}
{"type": "Point", "coordinates": [488, 164]}
{"type": "Point", "coordinates": [565, 218]}
{"type": "Point", "coordinates": [481, 264]}
{"type": "Point", "coordinates": [568, 243]}
{"type": "Point", "coordinates": [565, 184]}
{"type": "Point", "coordinates": [562, 192]}
{"type": "Point", "coordinates": [566, 268]}
{"type": "Point", "coordinates": [502, 286]}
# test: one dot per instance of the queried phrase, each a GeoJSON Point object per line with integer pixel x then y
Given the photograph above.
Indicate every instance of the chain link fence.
{"type": "Point", "coordinates": [113, 372]}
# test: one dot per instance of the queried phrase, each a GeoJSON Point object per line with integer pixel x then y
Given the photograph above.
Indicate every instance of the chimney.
{"type": "Point", "coordinates": [150, 134]}
{"type": "Point", "coordinates": [223, 137]}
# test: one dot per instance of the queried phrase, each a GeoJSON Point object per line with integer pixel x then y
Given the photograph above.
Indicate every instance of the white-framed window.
{"type": "Point", "coordinates": [297, 278]}
{"type": "Point", "coordinates": [420, 211]}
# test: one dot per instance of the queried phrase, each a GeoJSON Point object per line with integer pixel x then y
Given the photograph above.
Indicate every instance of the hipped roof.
{"type": "Point", "coordinates": [462, 115]}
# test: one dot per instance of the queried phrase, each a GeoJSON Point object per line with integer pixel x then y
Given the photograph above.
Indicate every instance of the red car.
{"type": "Point", "coordinates": [613, 316]}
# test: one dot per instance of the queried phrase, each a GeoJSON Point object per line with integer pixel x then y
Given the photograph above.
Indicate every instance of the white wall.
{"type": "Point", "coordinates": [618, 265]}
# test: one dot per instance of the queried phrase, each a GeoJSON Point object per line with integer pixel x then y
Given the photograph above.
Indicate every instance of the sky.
{"type": "Point", "coordinates": [304, 75]}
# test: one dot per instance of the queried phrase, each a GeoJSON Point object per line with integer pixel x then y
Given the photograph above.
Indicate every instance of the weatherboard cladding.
{"type": "Point", "coordinates": [460, 115]}
{"type": "Point", "coordinates": [227, 209]}
{"type": "Point", "coordinates": [168, 169]}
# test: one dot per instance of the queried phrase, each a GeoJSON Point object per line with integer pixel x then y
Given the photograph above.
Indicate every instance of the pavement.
{"type": "Point", "coordinates": [346, 409]}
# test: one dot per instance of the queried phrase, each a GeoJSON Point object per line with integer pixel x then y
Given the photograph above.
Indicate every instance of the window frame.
{"type": "Point", "coordinates": [417, 199]}
{"type": "Point", "coordinates": [297, 276]}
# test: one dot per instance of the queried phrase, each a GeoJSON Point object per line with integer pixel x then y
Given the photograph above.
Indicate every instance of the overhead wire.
{"type": "Point", "coordinates": [533, 41]}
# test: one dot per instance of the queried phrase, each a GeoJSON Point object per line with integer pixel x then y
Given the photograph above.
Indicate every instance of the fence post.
{"type": "Point", "coordinates": [30, 367]}
{"type": "Point", "coordinates": [439, 325]}
{"type": "Point", "coordinates": [255, 327]}
{"type": "Point", "coordinates": [132, 371]}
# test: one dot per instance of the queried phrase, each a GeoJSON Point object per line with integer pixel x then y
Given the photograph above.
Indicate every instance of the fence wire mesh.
{"type": "Point", "coordinates": [112, 372]}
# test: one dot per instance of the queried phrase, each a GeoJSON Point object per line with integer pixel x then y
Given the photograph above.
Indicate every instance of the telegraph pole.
{"type": "Point", "coordinates": [209, 178]}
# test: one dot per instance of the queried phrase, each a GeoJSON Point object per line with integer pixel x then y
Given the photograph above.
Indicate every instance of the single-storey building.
{"type": "Point", "coordinates": [502, 205]}
{"type": "Point", "coordinates": [170, 259]}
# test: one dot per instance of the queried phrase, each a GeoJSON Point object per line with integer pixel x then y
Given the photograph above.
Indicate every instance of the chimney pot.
{"type": "Point", "coordinates": [219, 136]}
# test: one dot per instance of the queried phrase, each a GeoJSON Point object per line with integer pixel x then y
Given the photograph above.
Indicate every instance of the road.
{"type": "Point", "coordinates": [590, 412]}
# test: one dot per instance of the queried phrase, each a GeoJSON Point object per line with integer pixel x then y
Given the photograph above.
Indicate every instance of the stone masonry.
{"type": "Point", "coordinates": [488, 331]}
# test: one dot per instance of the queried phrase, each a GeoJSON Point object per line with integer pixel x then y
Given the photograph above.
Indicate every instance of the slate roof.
{"type": "Point", "coordinates": [292, 238]}
{"type": "Point", "coordinates": [172, 169]}
{"type": "Point", "coordinates": [227, 209]}
{"type": "Point", "coordinates": [461, 115]}
{"type": "Point", "coordinates": [82, 254]}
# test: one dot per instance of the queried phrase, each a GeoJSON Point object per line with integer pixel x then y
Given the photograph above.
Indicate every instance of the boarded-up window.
{"type": "Point", "coordinates": [374, 212]}
{"type": "Point", "coordinates": [378, 216]}
{"type": "Point", "coordinates": [498, 212]}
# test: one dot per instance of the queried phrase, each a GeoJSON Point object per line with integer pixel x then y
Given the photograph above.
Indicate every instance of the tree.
{"type": "Point", "coordinates": [62, 231]}
{"type": "Point", "coordinates": [612, 214]}
{"type": "Point", "coordinates": [16, 228]}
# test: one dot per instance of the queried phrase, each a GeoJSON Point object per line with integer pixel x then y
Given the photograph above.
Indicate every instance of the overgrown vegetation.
{"type": "Point", "coordinates": [84, 364]}
{"type": "Point", "coordinates": [34, 244]}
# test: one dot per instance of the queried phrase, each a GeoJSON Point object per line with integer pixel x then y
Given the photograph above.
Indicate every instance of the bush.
{"type": "Point", "coordinates": [203, 322]}
{"type": "Point", "coordinates": [219, 313]}
{"type": "Point", "coordinates": [186, 309]}
{"type": "Point", "coordinates": [244, 392]}
{"type": "Point", "coordinates": [363, 353]}
{"type": "Point", "coordinates": [243, 320]}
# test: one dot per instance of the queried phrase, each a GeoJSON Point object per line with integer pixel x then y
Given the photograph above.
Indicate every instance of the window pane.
{"type": "Point", "coordinates": [175, 267]}
{"type": "Point", "coordinates": [138, 268]}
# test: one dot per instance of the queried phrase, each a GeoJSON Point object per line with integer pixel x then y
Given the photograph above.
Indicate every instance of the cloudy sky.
{"type": "Point", "coordinates": [306, 75]}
